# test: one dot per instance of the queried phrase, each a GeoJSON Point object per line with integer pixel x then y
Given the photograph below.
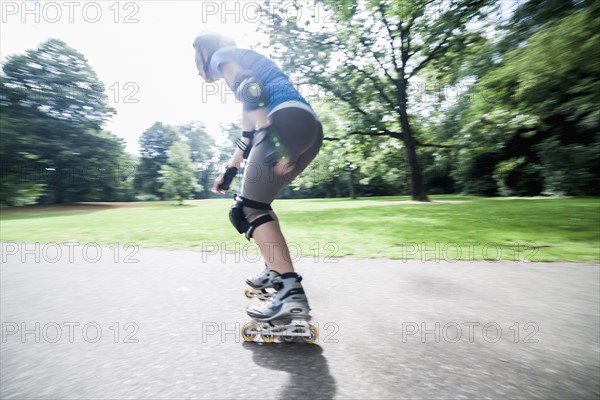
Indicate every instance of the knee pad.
{"type": "Point", "coordinates": [238, 217]}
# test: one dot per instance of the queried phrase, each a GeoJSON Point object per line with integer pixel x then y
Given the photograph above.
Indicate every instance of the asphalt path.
{"type": "Point", "coordinates": [100, 323]}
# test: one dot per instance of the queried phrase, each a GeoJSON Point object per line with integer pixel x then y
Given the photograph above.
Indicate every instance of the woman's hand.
{"type": "Point", "coordinates": [216, 189]}
{"type": "Point", "coordinates": [223, 182]}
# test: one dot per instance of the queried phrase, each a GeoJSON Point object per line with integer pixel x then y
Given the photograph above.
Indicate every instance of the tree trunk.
{"type": "Point", "coordinates": [418, 192]}
{"type": "Point", "coordinates": [416, 178]}
{"type": "Point", "coordinates": [351, 185]}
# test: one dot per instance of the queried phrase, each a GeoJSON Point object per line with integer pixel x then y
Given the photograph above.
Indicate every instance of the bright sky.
{"type": "Point", "coordinates": [142, 51]}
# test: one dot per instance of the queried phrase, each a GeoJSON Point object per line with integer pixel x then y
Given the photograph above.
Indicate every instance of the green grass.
{"type": "Point", "coordinates": [545, 229]}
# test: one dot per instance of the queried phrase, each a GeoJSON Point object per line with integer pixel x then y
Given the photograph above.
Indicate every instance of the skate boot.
{"type": "Point", "coordinates": [259, 284]}
{"type": "Point", "coordinates": [284, 316]}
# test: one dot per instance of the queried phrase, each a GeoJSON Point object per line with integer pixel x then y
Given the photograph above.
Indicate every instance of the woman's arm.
{"type": "Point", "coordinates": [248, 125]}
{"type": "Point", "coordinates": [251, 120]}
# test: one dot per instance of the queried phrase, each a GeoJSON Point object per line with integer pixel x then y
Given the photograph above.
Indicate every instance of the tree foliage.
{"type": "Point", "coordinates": [154, 146]}
{"type": "Point", "coordinates": [57, 80]}
{"type": "Point", "coordinates": [539, 109]}
{"type": "Point", "coordinates": [202, 148]}
{"type": "Point", "coordinates": [415, 96]}
{"type": "Point", "coordinates": [178, 175]}
{"type": "Point", "coordinates": [370, 54]}
{"type": "Point", "coordinates": [52, 146]}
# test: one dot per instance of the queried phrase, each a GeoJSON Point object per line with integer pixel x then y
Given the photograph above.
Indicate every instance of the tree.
{"type": "Point", "coordinates": [230, 133]}
{"type": "Point", "coordinates": [20, 157]}
{"type": "Point", "coordinates": [56, 79]}
{"type": "Point", "coordinates": [155, 143]}
{"type": "Point", "coordinates": [202, 147]}
{"type": "Point", "coordinates": [52, 147]}
{"type": "Point", "coordinates": [371, 55]}
{"type": "Point", "coordinates": [201, 144]}
{"type": "Point", "coordinates": [537, 129]}
{"type": "Point", "coordinates": [177, 177]}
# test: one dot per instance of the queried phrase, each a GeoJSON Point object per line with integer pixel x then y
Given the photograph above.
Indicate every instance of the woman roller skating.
{"type": "Point", "coordinates": [281, 136]}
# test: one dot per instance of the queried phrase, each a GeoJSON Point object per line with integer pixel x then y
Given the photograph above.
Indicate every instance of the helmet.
{"type": "Point", "coordinates": [211, 42]}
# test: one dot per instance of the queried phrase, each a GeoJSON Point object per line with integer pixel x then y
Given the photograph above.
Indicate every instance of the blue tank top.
{"type": "Point", "coordinates": [277, 84]}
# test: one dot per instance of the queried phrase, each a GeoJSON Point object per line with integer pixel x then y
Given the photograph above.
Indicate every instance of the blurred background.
{"type": "Point", "coordinates": [457, 188]}
{"type": "Point", "coordinates": [101, 101]}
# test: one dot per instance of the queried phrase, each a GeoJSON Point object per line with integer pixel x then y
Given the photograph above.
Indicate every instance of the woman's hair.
{"type": "Point", "coordinates": [211, 42]}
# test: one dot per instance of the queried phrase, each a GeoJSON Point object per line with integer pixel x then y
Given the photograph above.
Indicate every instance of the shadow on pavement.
{"type": "Point", "coordinates": [306, 365]}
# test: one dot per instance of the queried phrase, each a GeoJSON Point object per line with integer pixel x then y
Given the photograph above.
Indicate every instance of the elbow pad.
{"type": "Point", "coordinates": [251, 93]}
{"type": "Point", "coordinates": [245, 148]}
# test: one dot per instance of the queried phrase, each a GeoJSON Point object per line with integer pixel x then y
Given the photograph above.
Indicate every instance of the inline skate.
{"type": "Point", "coordinates": [260, 285]}
{"type": "Point", "coordinates": [284, 316]}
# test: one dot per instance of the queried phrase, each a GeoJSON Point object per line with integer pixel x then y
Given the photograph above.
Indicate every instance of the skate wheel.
{"type": "Point", "coordinates": [289, 339]}
{"type": "Point", "coordinates": [248, 293]}
{"type": "Point", "coordinates": [314, 335]}
{"type": "Point", "coordinates": [264, 296]}
{"type": "Point", "coordinates": [267, 338]}
{"type": "Point", "coordinates": [249, 331]}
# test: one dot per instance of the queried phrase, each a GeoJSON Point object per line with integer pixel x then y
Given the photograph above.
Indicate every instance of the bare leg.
{"type": "Point", "coordinates": [273, 246]}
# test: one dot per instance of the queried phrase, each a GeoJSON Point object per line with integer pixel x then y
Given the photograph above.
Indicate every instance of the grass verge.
{"type": "Point", "coordinates": [450, 228]}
